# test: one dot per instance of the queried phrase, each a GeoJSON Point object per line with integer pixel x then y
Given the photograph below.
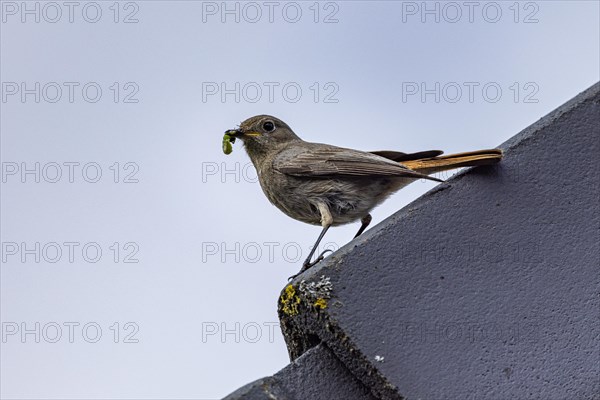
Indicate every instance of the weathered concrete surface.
{"type": "Point", "coordinates": [316, 375]}
{"type": "Point", "coordinates": [487, 287]}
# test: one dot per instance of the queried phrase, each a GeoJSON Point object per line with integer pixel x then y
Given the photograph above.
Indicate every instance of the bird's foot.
{"type": "Point", "coordinates": [307, 264]}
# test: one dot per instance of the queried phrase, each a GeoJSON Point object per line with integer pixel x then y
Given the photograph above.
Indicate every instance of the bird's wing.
{"type": "Point", "coordinates": [398, 156]}
{"type": "Point", "coordinates": [327, 161]}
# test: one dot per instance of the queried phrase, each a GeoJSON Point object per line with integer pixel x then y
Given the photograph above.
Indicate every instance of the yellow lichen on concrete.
{"type": "Point", "coordinates": [289, 301]}
{"type": "Point", "coordinates": [320, 303]}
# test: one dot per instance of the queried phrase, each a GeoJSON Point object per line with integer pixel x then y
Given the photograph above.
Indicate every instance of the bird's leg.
{"type": "Point", "coordinates": [366, 220]}
{"type": "Point", "coordinates": [307, 264]}
{"type": "Point", "coordinates": [326, 221]}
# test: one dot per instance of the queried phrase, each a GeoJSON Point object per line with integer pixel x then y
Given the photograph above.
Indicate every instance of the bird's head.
{"type": "Point", "coordinates": [262, 132]}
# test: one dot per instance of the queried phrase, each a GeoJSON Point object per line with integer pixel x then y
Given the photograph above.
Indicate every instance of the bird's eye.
{"type": "Point", "coordinates": [269, 126]}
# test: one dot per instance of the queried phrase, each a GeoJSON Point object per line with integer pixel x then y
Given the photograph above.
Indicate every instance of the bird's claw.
{"type": "Point", "coordinates": [307, 264]}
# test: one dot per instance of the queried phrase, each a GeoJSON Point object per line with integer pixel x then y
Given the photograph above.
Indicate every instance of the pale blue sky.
{"type": "Point", "coordinates": [182, 214]}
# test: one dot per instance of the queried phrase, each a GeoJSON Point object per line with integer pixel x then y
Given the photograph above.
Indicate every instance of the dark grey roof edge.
{"type": "Point", "coordinates": [260, 389]}
{"type": "Point", "coordinates": [548, 119]}
{"type": "Point", "coordinates": [328, 379]}
{"type": "Point", "coordinates": [310, 325]}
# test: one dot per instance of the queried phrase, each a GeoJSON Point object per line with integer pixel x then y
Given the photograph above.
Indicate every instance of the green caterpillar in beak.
{"type": "Point", "coordinates": [227, 142]}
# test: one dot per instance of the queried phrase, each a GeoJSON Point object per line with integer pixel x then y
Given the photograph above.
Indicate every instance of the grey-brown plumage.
{"type": "Point", "coordinates": [327, 185]}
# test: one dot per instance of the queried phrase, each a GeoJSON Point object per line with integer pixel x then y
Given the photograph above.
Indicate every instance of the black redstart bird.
{"type": "Point", "coordinates": [327, 185]}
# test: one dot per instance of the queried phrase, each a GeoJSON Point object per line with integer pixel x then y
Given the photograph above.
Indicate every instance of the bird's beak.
{"type": "Point", "coordinates": [238, 133]}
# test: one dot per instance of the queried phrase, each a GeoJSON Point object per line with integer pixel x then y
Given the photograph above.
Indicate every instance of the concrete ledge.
{"type": "Point", "coordinates": [317, 375]}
